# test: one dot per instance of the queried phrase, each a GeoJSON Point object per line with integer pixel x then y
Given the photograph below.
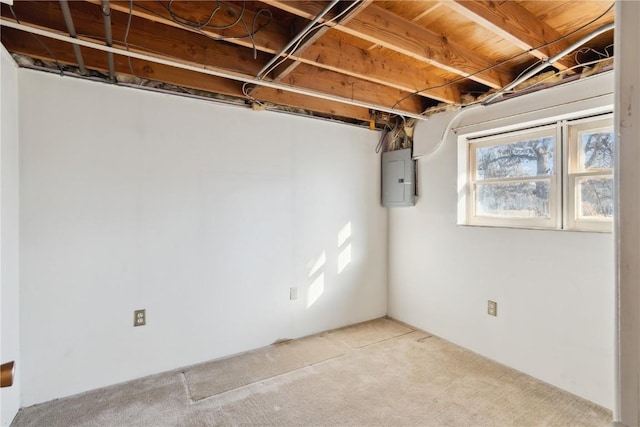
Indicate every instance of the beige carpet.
{"type": "Point", "coordinates": [376, 373]}
{"type": "Point", "coordinates": [212, 378]}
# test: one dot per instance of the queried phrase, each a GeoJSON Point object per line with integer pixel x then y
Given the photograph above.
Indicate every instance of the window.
{"type": "Point", "coordinates": [590, 175]}
{"type": "Point", "coordinates": [558, 176]}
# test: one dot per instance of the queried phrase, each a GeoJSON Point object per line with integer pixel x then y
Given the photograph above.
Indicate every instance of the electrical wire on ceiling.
{"type": "Point", "coordinates": [43, 44]}
{"type": "Point", "coordinates": [499, 64]}
{"type": "Point", "coordinates": [253, 31]}
{"type": "Point", "coordinates": [306, 34]}
{"type": "Point", "coordinates": [126, 36]}
{"type": "Point", "coordinates": [602, 57]}
{"type": "Point", "coordinates": [397, 137]}
{"type": "Point", "coordinates": [478, 103]}
{"type": "Point", "coordinates": [200, 27]}
{"type": "Point", "coordinates": [128, 45]}
{"type": "Point", "coordinates": [319, 26]}
{"type": "Point", "coordinates": [246, 93]}
{"type": "Point", "coordinates": [586, 49]}
{"type": "Point", "coordinates": [559, 73]}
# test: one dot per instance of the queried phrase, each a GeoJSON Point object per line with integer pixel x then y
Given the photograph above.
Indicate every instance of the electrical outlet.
{"type": "Point", "coordinates": [492, 308]}
{"type": "Point", "coordinates": [139, 318]}
{"type": "Point", "coordinates": [293, 293]}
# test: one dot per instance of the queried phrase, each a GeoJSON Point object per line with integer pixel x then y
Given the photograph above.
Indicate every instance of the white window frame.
{"type": "Point", "coordinates": [554, 179]}
{"type": "Point", "coordinates": [572, 174]}
{"type": "Point", "coordinates": [563, 201]}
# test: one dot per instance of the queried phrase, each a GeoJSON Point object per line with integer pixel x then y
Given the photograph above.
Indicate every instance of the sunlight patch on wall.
{"type": "Point", "coordinates": [316, 289]}
{"type": "Point", "coordinates": [344, 234]}
{"type": "Point", "coordinates": [318, 264]}
{"type": "Point", "coordinates": [344, 258]}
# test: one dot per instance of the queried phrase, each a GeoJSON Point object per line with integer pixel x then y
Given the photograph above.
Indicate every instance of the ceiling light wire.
{"type": "Point", "coordinates": [314, 28]}
{"type": "Point", "coordinates": [194, 24]}
{"type": "Point", "coordinates": [201, 31]}
{"type": "Point", "coordinates": [546, 62]}
{"type": "Point", "coordinates": [583, 64]}
{"type": "Point", "coordinates": [297, 37]}
{"type": "Point", "coordinates": [126, 37]}
{"type": "Point", "coordinates": [43, 44]}
{"type": "Point", "coordinates": [204, 69]}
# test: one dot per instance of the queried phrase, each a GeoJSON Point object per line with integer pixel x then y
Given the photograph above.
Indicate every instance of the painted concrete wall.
{"type": "Point", "coordinates": [555, 290]}
{"type": "Point", "coordinates": [9, 288]}
{"type": "Point", "coordinates": [627, 65]}
{"type": "Point", "coordinates": [204, 215]}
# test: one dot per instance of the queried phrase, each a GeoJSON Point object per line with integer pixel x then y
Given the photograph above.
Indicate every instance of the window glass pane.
{"type": "Point", "coordinates": [598, 150]}
{"type": "Point", "coordinates": [527, 199]}
{"type": "Point", "coordinates": [517, 159]}
{"type": "Point", "coordinates": [596, 197]}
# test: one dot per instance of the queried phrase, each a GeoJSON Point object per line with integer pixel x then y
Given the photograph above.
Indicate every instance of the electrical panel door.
{"type": "Point", "coordinates": [398, 178]}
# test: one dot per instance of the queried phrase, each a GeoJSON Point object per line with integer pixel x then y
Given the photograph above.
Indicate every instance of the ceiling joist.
{"type": "Point", "coordinates": [383, 28]}
{"type": "Point", "coordinates": [277, 39]}
{"type": "Point", "coordinates": [516, 24]}
{"type": "Point", "coordinates": [401, 57]}
{"type": "Point", "coordinates": [286, 68]}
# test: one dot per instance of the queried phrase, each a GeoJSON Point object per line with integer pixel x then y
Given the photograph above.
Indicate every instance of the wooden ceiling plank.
{"type": "Point", "coordinates": [416, 18]}
{"type": "Point", "coordinates": [340, 57]}
{"type": "Point", "coordinates": [16, 42]}
{"type": "Point", "coordinates": [287, 68]}
{"type": "Point", "coordinates": [144, 36]}
{"type": "Point", "coordinates": [269, 39]}
{"type": "Point", "coordinates": [393, 32]}
{"type": "Point", "coordinates": [313, 78]}
{"type": "Point", "coordinates": [300, 101]}
{"type": "Point", "coordinates": [356, 89]}
{"type": "Point", "coordinates": [320, 81]}
{"type": "Point", "coordinates": [327, 82]}
{"type": "Point", "coordinates": [375, 67]}
{"type": "Point", "coordinates": [427, 11]}
{"type": "Point", "coordinates": [386, 29]}
{"type": "Point", "coordinates": [514, 23]}
{"type": "Point", "coordinates": [330, 54]}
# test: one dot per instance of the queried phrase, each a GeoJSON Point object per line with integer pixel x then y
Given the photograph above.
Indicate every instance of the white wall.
{"type": "Point", "coordinates": [558, 325]}
{"type": "Point", "coordinates": [9, 292]}
{"type": "Point", "coordinates": [204, 215]}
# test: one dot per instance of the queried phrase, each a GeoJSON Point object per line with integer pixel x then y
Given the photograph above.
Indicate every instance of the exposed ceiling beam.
{"type": "Point", "coordinates": [291, 44]}
{"type": "Point", "coordinates": [378, 68]}
{"type": "Point", "coordinates": [185, 65]}
{"type": "Point", "coordinates": [426, 12]}
{"type": "Point", "coordinates": [16, 41]}
{"type": "Point", "coordinates": [194, 49]}
{"type": "Point", "coordinates": [145, 35]}
{"type": "Point", "coordinates": [270, 38]}
{"type": "Point", "coordinates": [341, 62]}
{"type": "Point", "coordinates": [514, 23]}
{"type": "Point", "coordinates": [416, 18]}
{"type": "Point", "coordinates": [296, 100]}
{"type": "Point", "coordinates": [384, 28]}
{"type": "Point", "coordinates": [283, 71]}
{"type": "Point", "coordinates": [351, 88]}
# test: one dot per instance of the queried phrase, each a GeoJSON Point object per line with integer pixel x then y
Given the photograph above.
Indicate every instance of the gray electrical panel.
{"type": "Point", "coordinates": [398, 178]}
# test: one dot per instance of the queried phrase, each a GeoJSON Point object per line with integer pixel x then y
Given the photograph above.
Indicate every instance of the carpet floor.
{"type": "Point", "coordinates": [371, 374]}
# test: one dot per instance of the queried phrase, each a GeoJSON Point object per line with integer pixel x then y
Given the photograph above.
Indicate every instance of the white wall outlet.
{"type": "Point", "coordinates": [293, 293]}
{"type": "Point", "coordinates": [492, 308]}
{"type": "Point", "coordinates": [139, 318]}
